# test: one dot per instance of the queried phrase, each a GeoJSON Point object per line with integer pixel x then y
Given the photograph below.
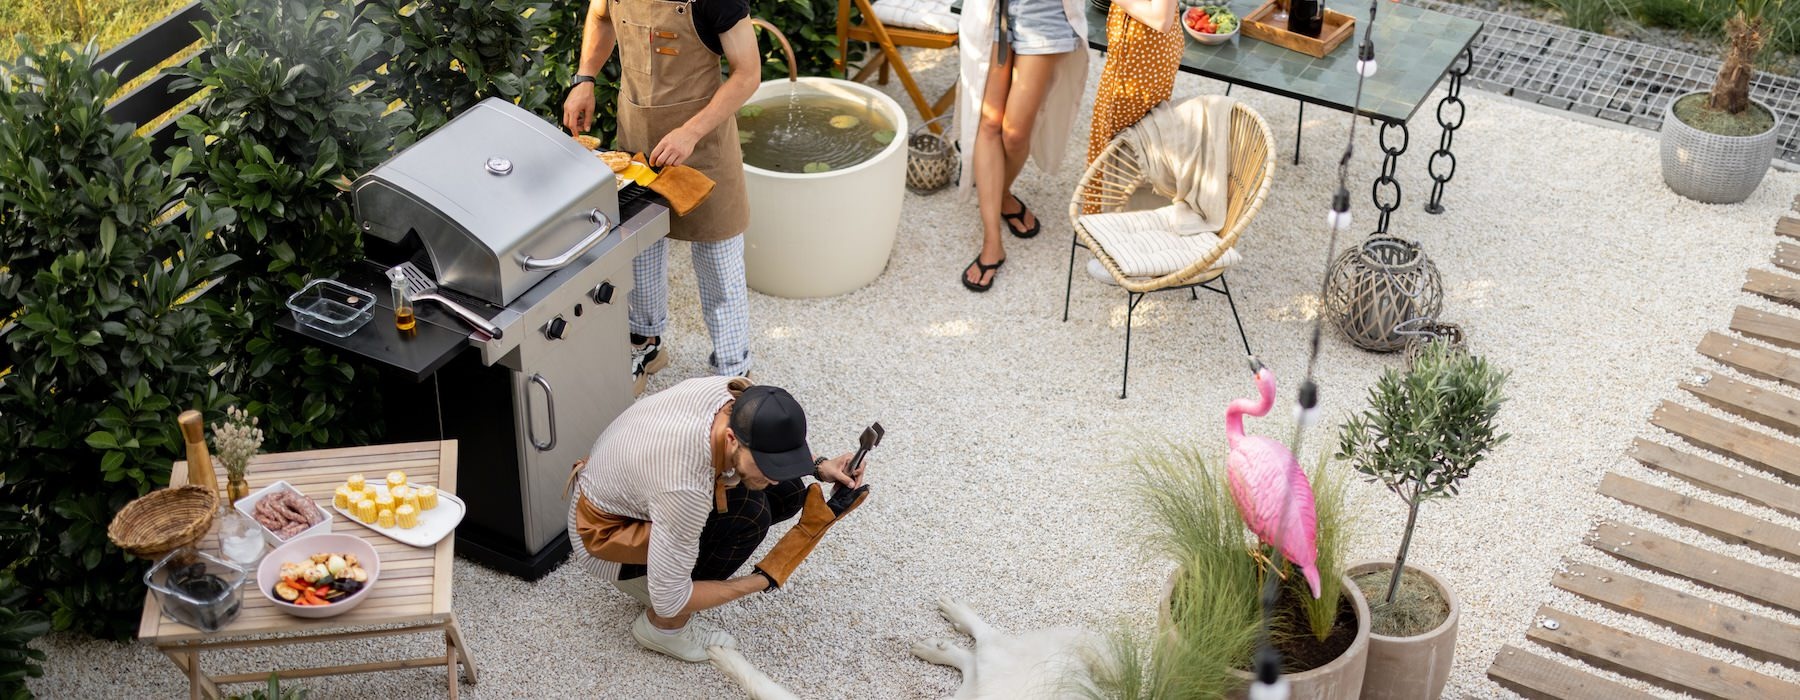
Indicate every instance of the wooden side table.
{"type": "Point", "coordinates": [412, 597]}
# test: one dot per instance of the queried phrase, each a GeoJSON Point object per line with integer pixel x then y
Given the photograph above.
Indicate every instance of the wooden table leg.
{"type": "Point", "coordinates": [450, 658]}
{"type": "Point", "coordinates": [199, 685]}
{"type": "Point", "coordinates": [462, 649]}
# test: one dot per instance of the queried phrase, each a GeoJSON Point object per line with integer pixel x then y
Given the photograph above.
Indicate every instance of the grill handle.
{"type": "Point", "coordinates": [463, 313]}
{"type": "Point", "coordinates": [549, 410]}
{"type": "Point", "coordinates": [602, 226]}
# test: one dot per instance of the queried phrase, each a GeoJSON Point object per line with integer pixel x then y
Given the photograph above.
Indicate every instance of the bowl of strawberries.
{"type": "Point", "coordinates": [1209, 24]}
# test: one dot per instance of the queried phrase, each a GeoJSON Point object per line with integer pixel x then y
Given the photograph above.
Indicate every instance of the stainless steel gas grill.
{"type": "Point", "coordinates": [513, 239]}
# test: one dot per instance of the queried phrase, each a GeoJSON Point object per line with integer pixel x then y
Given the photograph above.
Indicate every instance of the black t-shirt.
{"type": "Point", "coordinates": [715, 17]}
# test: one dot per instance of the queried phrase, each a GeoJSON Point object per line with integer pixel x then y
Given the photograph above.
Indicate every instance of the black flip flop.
{"type": "Point", "coordinates": [984, 268]}
{"type": "Point", "coordinates": [1019, 216]}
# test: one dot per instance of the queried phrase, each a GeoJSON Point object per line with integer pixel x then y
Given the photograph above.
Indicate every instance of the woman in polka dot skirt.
{"type": "Point", "coordinates": [1143, 52]}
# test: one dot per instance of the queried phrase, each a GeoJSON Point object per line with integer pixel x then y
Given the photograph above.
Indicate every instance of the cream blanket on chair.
{"type": "Point", "coordinates": [1185, 152]}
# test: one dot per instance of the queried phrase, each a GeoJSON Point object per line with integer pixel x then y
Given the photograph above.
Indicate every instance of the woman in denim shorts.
{"type": "Point", "coordinates": [1031, 37]}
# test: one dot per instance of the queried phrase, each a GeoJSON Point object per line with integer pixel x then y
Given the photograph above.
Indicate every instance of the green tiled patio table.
{"type": "Point", "coordinates": [1414, 49]}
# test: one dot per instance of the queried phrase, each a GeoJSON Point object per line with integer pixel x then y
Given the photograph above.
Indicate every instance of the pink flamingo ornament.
{"type": "Point", "coordinates": [1271, 492]}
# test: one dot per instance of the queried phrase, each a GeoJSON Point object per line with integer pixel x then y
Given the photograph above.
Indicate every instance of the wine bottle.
{"type": "Point", "coordinates": [1306, 17]}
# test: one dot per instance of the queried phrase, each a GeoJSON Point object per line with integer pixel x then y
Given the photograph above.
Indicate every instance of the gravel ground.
{"type": "Point", "coordinates": [999, 479]}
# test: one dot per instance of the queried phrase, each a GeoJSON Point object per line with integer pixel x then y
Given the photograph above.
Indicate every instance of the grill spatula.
{"type": "Point", "coordinates": [422, 288]}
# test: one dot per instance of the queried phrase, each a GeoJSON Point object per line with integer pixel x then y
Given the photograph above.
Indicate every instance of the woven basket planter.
{"type": "Point", "coordinates": [164, 520]}
{"type": "Point", "coordinates": [1711, 168]}
{"type": "Point", "coordinates": [1380, 288]}
{"type": "Point", "coordinates": [931, 159]}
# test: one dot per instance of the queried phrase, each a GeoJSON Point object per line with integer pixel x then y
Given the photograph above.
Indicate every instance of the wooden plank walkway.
{"type": "Point", "coordinates": [1754, 461]}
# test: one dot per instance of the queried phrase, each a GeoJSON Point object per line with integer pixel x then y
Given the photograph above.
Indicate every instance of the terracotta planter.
{"type": "Point", "coordinates": [1411, 668]}
{"type": "Point", "coordinates": [1342, 679]}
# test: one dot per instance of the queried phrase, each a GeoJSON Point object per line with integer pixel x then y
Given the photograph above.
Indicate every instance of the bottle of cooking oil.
{"type": "Point", "coordinates": [403, 302]}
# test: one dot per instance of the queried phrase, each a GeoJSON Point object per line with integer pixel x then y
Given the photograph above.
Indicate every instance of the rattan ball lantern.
{"type": "Point", "coordinates": [1381, 288]}
{"type": "Point", "coordinates": [932, 162]}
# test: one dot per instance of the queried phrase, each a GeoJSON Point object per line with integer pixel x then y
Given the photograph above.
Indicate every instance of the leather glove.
{"type": "Point", "coordinates": [816, 516]}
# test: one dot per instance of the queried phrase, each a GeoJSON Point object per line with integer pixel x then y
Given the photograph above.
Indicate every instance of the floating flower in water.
{"type": "Point", "coordinates": [745, 136]}
{"type": "Point", "coordinates": [817, 166]}
{"type": "Point", "coordinates": [750, 111]}
{"type": "Point", "coordinates": [844, 121]}
{"type": "Point", "coordinates": [884, 136]}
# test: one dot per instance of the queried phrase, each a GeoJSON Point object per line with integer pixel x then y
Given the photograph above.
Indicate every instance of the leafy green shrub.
{"type": "Point", "coordinates": [288, 125]}
{"type": "Point", "coordinates": [106, 347]}
{"type": "Point", "coordinates": [1425, 431]}
{"type": "Point", "coordinates": [810, 25]}
{"type": "Point", "coordinates": [454, 53]}
{"type": "Point", "coordinates": [18, 661]}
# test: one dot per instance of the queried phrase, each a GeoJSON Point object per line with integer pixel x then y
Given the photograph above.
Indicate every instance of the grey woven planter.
{"type": "Point", "coordinates": [1711, 168]}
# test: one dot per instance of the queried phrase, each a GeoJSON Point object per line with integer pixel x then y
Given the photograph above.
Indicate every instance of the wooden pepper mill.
{"type": "Point", "coordinates": [199, 461]}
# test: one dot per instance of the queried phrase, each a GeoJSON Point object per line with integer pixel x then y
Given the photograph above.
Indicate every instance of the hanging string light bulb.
{"type": "Point", "coordinates": [1268, 683]}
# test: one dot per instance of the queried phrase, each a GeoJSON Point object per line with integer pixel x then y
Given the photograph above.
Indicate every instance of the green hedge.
{"type": "Point", "coordinates": [106, 348]}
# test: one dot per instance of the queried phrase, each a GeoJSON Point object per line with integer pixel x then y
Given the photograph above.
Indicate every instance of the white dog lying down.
{"type": "Point", "coordinates": [1040, 664]}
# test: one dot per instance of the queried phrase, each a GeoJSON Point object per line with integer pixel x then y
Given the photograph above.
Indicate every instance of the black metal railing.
{"type": "Point", "coordinates": [153, 100]}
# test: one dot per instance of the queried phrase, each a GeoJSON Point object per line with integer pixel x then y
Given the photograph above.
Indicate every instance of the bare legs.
{"type": "Point", "coordinates": [1009, 107]}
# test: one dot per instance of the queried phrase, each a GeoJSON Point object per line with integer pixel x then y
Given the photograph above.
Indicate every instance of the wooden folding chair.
{"type": "Point", "coordinates": [871, 30]}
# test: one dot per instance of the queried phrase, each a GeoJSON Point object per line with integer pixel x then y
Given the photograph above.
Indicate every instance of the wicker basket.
{"type": "Point", "coordinates": [164, 520]}
{"type": "Point", "coordinates": [1380, 289]}
{"type": "Point", "coordinates": [932, 162]}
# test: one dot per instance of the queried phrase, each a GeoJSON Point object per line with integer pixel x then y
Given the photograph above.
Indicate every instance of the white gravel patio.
{"type": "Point", "coordinates": [999, 481]}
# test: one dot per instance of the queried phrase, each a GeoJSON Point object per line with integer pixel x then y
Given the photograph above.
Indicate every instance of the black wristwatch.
{"type": "Point", "coordinates": [579, 79]}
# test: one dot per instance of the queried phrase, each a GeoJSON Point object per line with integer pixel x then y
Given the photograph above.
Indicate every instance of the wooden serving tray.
{"type": "Point", "coordinates": [1337, 28]}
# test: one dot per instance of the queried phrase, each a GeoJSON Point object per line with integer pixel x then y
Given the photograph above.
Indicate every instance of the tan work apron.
{"type": "Point", "coordinates": [668, 76]}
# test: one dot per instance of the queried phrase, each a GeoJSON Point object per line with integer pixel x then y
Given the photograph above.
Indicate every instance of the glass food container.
{"type": "Point", "coordinates": [332, 307]}
{"type": "Point", "coordinates": [197, 589]}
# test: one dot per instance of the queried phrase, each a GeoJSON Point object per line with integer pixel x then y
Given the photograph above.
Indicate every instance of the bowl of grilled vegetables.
{"type": "Point", "coordinates": [319, 575]}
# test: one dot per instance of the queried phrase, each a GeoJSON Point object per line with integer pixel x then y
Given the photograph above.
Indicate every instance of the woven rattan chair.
{"type": "Point", "coordinates": [1115, 175]}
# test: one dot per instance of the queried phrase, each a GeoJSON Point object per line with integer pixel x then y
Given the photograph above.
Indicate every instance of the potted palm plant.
{"type": "Point", "coordinates": [1423, 432]}
{"type": "Point", "coordinates": [1717, 145]}
{"type": "Point", "coordinates": [1211, 619]}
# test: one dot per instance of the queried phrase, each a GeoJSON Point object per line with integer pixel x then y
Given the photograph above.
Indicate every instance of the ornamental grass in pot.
{"type": "Point", "coordinates": [1423, 432]}
{"type": "Point", "coordinates": [1717, 145]}
{"type": "Point", "coordinates": [1211, 615]}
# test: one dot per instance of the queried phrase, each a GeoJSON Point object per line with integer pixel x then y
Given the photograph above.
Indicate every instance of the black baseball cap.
{"type": "Point", "coordinates": [769, 422]}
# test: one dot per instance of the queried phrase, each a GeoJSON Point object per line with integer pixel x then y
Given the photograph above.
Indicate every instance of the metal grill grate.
{"type": "Point", "coordinates": [1605, 77]}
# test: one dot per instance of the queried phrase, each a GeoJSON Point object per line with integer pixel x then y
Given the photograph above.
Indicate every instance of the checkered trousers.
{"type": "Point", "coordinates": [732, 536]}
{"type": "Point", "coordinates": [724, 299]}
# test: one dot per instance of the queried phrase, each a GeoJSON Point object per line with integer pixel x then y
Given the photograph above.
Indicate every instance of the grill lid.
{"type": "Point", "coordinates": [498, 197]}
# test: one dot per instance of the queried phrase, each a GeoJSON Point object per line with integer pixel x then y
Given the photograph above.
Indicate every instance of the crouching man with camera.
{"type": "Point", "coordinates": [681, 489]}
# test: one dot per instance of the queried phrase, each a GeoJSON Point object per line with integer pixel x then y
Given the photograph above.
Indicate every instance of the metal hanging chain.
{"type": "Point", "coordinates": [1266, 666]}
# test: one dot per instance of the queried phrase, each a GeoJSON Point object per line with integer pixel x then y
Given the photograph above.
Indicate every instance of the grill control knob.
{"type": "Point", "coordinates": [603, 294]}
{"type": "Point", "coordinates": [554, 329]}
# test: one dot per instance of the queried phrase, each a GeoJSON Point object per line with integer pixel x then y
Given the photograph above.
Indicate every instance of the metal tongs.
{"type": "Point", "coordinates": [841, 497]}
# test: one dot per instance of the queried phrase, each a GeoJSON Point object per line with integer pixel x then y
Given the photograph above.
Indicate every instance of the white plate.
{"type": "Point", "coordinates": [434, 524]}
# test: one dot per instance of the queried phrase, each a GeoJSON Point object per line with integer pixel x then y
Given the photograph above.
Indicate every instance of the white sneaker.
{"type": "Point", "coordinates": [688, 645]}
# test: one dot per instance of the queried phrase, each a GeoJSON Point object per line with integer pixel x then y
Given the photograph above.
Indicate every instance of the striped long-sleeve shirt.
{"type": "Point", "coordinates": [655, 463]}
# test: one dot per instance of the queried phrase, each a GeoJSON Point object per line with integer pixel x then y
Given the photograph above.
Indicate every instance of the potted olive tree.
{"type": "Point", "coordinates": [1211, 619]}
{"type": "Point", "coordinates": [1716, 145]}
{"type": "Point", "coordinates": [1423, 432]}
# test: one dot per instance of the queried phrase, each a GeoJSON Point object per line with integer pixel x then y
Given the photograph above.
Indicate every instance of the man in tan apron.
{"type": "Point", "coordinates": [680, 491]}
{"type": "Point", "coordinates": [675, 108]}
